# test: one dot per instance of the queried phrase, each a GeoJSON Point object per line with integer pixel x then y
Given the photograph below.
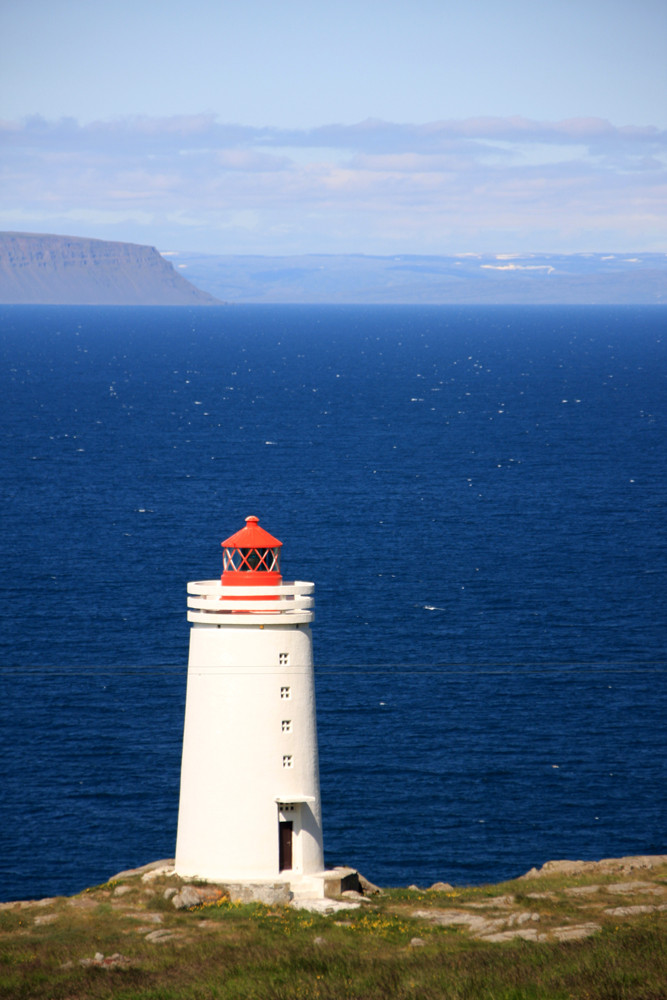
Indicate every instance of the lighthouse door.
{"type": "Point", "coordinates": [285, 846]}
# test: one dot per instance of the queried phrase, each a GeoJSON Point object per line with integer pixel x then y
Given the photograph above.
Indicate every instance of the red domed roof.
{"type": "Point", "coordinates": [251, 537]}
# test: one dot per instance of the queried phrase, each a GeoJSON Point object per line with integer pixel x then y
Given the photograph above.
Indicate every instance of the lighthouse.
{"type": "Point", "coordinates": [250, 795]}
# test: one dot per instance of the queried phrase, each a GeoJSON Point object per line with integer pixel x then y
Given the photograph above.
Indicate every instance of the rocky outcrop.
{"type": "Point", "coordinates": [636, 862]}
{"type": "Point", "coordinates": [38, 269]}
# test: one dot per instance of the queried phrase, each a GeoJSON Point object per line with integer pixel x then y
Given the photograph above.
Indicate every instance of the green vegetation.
{"type": "Point", "coordinates": [125, 940]}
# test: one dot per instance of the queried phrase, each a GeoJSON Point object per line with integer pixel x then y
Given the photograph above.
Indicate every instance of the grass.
{"type": "Point", "coordinates": [226, 951]}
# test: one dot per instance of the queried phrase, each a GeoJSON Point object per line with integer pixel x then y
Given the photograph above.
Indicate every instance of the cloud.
{"type": "Point", "coordinates": [518, 267]}
{"type": "Point", "coordinates": [377, 187]}
{"type": "Point", "coordinates": [192, 132]}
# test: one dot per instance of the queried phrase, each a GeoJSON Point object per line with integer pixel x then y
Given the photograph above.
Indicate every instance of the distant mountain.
{"type": "Point", "coordinates": [45, 269]}
{"type": "Point", "coordinates": [538, 278]}
{"type": "Point", "coordinates": [69, 270]}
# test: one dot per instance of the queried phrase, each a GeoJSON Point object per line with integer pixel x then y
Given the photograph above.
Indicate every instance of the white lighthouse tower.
{"type": "Point", "coordinates": [250, 794]}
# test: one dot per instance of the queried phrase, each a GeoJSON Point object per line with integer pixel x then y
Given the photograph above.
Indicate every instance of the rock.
{"type": "Point", "coordinates": [638, 887]}
{"type": "Point", "coordinates": [154, 918]}
{"type": "Point", "coordinates": [441, 887]}
{"type": "Point", "coordinates": [171, 891]}
{"type": "Point", "coordinates": [162, 935]}
{"type": "Point", "coordinates": [167, 865]}
{"type": "Point", "coordinates": [497, 901]}
{"type": "Point", "coordinates": [515, 919]}
{"type": "Point", "coordinates": [46, 918]}
{"type": "Point", "coordinates": [186, 897]}
{"type": "Point", "coordinates": [115, 961]}
{"type": "Point", "coordinates": [582, 890]}
{"type": "Point", "coordinates": [157, 872]}
{"type": "Point", "coordinates": [324, 906]}
{"type": "Point", "coordinates": [83, 903]}
{"type": "Point", "coordinates": [414, 888]}
{"type": "Point", "coordinates": [122, 890]}
{"type": "Point", "coordinates": [417, 942]}
{"type": "Point", "coordinates": [560, 868]}
{"type": "Point", "coordinates": [191, 895]}
{"type": "Point", "coordinates": [637, 862]}
{"type": "Point", "coordinates": [27, 904]}
{"type": "Point", "coordinates": [367, 887]}
{"type": "Point", "coordinates": [575, 933]}
{"type": "Point", "coordinates": [526, 935]}
{"type": "Point", "coordinates": [631, 911]}
{"type": "Point", "coordinates": [319, 941]}
{"type": "Point", "coordinates": [447, 918]}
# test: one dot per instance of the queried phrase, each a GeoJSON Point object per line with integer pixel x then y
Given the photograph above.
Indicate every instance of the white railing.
{"type": "Point", "coordinates": [209, 603]}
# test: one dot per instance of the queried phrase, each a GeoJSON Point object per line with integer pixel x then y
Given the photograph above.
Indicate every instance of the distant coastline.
{"type": "Point", "coordinates": [408, 279]}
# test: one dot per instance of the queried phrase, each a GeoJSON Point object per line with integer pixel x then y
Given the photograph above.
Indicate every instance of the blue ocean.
{"type": "Point", "coordinates": [479, 496]}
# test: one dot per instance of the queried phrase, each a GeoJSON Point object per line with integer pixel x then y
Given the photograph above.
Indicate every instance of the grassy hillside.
{"type": "Point", "coordinates": [599, 934]}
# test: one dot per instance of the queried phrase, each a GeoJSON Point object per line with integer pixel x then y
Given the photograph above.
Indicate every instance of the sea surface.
{"type": "Point", "coordinates": [479, 494]}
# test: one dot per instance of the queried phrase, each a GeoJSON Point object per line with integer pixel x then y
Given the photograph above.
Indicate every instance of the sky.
{"type": "Point", "coordinates": [374, 126]}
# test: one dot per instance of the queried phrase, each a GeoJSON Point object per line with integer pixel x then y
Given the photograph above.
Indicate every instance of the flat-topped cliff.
{"type": "Point", "coordinates": [41, 269]}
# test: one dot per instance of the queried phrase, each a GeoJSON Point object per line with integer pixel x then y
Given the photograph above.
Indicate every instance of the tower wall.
{"type": "Point", "coordinates": [250, 741]}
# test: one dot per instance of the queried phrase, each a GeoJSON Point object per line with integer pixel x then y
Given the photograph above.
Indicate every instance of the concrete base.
{"type": "Point", "coordinates": [319, 888]}
{"type": "Point", "coordinates": [289, 887]}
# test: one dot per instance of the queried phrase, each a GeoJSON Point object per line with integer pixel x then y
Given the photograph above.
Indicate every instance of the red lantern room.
{"type": "Point", "coordinates": [251, 557]}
